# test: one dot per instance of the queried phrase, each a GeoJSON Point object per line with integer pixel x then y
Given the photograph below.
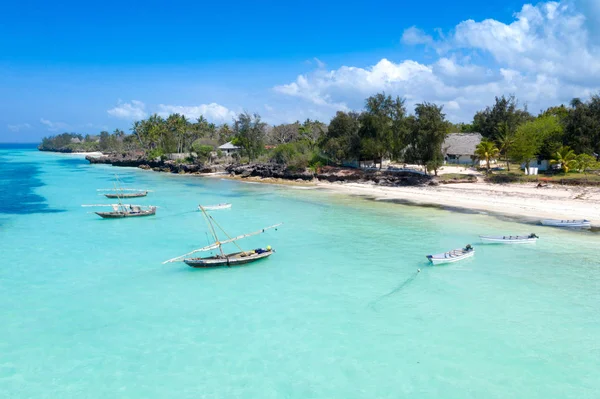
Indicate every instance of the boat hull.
{"type": "Point", "coordinates": [451, 256]}
{"type": "Point", "coordinates": [236, 259]}
{"type": "Point", "coordinates": [120, 215]}
{"type": "Point", "coordinates": [573, 224]}
{"type": "Point", "coordinates": [507, 240]}
{"type": "Point", "coordinates": [214, 207]}
{"type": "Point", "coordinates": [128, 195]}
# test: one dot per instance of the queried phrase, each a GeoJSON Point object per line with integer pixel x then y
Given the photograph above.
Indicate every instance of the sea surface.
{"type": "Point", "coordinates": [88, 310]}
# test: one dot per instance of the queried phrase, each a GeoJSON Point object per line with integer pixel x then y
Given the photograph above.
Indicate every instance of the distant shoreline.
{"type": "Point", "coordinates": [525, 201]}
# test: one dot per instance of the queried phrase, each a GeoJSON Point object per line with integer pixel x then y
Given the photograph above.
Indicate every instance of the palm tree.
{"type": "Point", "coordinates": [565, 157]}
{"type": "Point", "coordinates": [585, 162]}
{"type": "Point", "coordinates": [487, 150]}
{"type": "Point", "coordinates": [505, 140]}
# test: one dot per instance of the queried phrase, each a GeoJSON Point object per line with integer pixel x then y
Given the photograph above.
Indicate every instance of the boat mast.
{"type": "Point", "coordinates": [212, 230]}
{"type": "Point", "coordinates": [121, 207]}
{"type": "Point", "coordinates": [118, 188]}
{"type": "Point", "coordinates": [227, 235]}
{"type": "Point", "coordinates": [219, 243]}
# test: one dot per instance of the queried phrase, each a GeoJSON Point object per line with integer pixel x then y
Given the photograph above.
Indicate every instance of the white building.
{"type": "Point", "coordinates": [459, 148]}
{"type": "Point", "coordinates": [229, 149]}
{"type": "Point", "coordinates": [542, 165]}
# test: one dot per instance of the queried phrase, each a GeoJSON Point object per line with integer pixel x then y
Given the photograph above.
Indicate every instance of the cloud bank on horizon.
{"type": "Point", "coordinates": [546, 55]}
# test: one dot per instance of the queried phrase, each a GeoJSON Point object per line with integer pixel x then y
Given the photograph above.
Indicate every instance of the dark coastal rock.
{"type": "Point", "coordinates": [330, 174]}
{"type": "Point", "coordinates": [139, 160]}
{"type": "Point", "coordinates": [267, 170]}
{"type": "Point", "coordinates": [270, 170]}
{"type": "Point", "coordinates": [123, 159]}
{"type": "Point", "coordinates": [64, 150]}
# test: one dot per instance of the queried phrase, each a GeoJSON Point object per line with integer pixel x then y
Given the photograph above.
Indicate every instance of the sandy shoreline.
{"type": "Point", "coordinates": [524, 201]}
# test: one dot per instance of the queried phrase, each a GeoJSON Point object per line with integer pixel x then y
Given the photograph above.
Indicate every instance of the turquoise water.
{"type": "Point", "coordinates": [89, 311]}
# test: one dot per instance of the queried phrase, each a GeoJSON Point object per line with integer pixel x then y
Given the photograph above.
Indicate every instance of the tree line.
{"type": "Point", "coordinates": [382, 130]}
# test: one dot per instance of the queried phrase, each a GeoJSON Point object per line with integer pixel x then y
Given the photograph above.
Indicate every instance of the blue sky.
{"type": "Point", "coordinates": [87, 67]}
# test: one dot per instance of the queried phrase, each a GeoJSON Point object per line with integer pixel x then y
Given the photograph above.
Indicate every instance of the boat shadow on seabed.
{"type": "Point", "coordinates": [396, 289]}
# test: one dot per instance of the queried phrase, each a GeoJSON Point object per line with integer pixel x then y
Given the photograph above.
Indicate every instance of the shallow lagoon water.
{"type": "Point", "coordinates": [89, 311]}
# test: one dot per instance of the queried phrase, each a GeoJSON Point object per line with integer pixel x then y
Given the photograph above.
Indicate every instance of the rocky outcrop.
{"type": "Point", "coordinates": [65, 150]}
{"type": "Point", "coordinates": [140, 161]}
{"type": "Point", "coordinates": [269, 170]}
{"type": "Point", "coordinates": [331, 174]}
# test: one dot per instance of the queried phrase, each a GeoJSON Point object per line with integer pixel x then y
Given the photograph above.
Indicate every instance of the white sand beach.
{"type": "Point", "coordinates": [517, 200]}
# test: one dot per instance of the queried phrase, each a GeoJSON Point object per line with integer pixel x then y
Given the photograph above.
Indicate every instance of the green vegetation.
{"type": "Point", "coordinates": [530, 137]}
{"type": "Point", "coordinates": [456, 178]}
{"type": "Point", "coordinates": [383, 130]}
{"type": "Point", "coordinates": [487, 150]}
{"type": "Point", "coordinates": [565, 158]}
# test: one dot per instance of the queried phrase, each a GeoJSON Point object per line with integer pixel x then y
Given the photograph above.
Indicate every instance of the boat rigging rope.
{"type": "Point", "coordinates": [224, 232]}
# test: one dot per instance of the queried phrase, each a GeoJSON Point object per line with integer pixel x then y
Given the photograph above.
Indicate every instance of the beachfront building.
{"type": "Point", "coordinates": [459, 148]}
{"type": "Point", "coordinates": [75, 140]}
{"type": "Point", "coordinates": [229, 149]}
{"type": "Point", "coordinates": [542, 165]}
{"type": "Point", "coordinates": [366, 164]}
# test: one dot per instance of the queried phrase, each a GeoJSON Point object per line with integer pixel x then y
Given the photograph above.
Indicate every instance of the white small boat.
{"type": "Point", "coordinates": [581, 223]}
{"type": "Point", "coordinates": [452, 256]}
{"type": "Point", "coordinates": [529, 239]}
{"type": "Point", "coordinates": [214, 207]}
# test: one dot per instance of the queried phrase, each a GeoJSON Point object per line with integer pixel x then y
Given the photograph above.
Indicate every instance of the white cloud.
{"type": "Point", "coordinates": [544, 56]}
{"type": "Point", "coordinates": [212, 112]}
{"type": "Point", "coordinates": [414, 36]}
{"type": "Point", "coordinates": [135, 110]}
{"type": "Point", "coordinates": [54, 126]}
{"type": "Point", "coordinates": [18, 127]}
{"type": "Point", "coordinates": [320, 63]}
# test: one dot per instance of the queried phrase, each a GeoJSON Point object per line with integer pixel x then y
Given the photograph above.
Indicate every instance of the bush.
{"type": "Point", "coordinates": [284, 153]}
{"type": "Point", "coordinates": [299, 163]}
{"type": "Point", "coordinates": [202, 150]}
{"type": "Point", "coordinates": [155, 153]}
{"type": "Point", "coordinates": [317, 160]}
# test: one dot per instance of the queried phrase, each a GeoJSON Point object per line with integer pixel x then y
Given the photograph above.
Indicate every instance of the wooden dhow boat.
{"type": "Point", "coordinates": [122, 194]}
{"type": "Point", "coordinates": [523, 239]}
{"type": "Point", "coordinates": [577, 224]}
{"type": "Point", "coordinates": [452, 256]}
{"type": "Point", "coordinates": [119, 192]}
{"type": "Point", "coordinates": [237, 258]}
{"type": "Point", "coordinates": [214, 207]}
{"type": "Point", "coordinates": [125, 211]}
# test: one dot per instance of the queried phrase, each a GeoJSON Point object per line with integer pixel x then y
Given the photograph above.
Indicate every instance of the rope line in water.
{"type": "Point", "coordinates": [398, 288]}
{"type": "Point", "coordinates": [176, 214]}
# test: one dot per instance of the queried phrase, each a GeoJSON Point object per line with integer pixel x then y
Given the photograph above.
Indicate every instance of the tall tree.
{"type": "Point", "coordinates": [505, 139]}
{"type": "Point", "coordinates": [383, 127]}
{"type": "Point", "coordinates": [342, 141]}
{"type": "Point", "coordinates": [530, 137]}
{"type": "Point", "coordinates": [249, 134]}
{"type": "Point", "coordinates": [224, 133]}
{"type": "Point", "coordinates": [582, 126]}
{"type": "Point", "coordinates": [311, 132]}
{"type": "Point", "coordinates": [427, 133]}
{"type": "Point", "coordinates": [504, 111]}
{"type": "Point", "coordinates": [284, 133]}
